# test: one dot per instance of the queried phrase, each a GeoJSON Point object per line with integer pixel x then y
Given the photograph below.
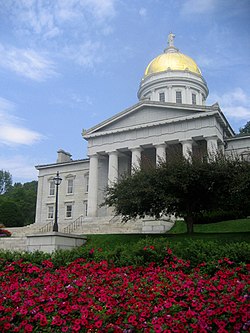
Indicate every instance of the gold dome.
{"type": "Point", "coordinates": [173, 60]}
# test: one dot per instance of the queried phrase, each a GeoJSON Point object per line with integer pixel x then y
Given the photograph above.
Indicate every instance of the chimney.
{"type": "Point", "coordinates": [63, 156]}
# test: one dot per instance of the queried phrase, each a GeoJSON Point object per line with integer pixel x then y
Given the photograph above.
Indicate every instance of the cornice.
{"type": "Point", "coordinates": [55, 165]}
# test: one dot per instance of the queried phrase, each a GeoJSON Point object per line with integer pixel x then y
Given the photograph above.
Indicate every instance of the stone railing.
{"type": "Point", "coordinates": [74, 225]}
{"type": "Point", "coordinates": [47, 227]}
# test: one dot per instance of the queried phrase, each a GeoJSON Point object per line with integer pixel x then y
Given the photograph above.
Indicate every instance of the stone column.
{"type": "Point", "coordinates": [113, 167]}
{"type": "Point", "coordinates": [199, 102]}
{"type": "Point", "coordinates": [154, 95]}
{"type": "Point", "coordinates": [136, 158]}
{"type": "Point", "coordinates": [160, 153]}
{"type": "Point", "coordinates": [170, 94]}
{"type": "Point", "coordinates": [212, 146]}
{"type": "Point", "coordinates": [187, 149]}
{"type": "Point", "coordinates": [93, 185]}
{"type": "Point", "coordinates": [188, 96]}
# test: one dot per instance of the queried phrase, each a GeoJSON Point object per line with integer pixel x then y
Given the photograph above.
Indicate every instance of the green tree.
{"type": "Point", "coordinates": [5, 181]}
{"type": "Point", "coordinates": [11, 214]}
{"type": "Point", "coordinates": [245, 129]}
{"type": "Point", "coordinates": [24, 195]}
{"type": "Point", "coordinates": [183, 188]}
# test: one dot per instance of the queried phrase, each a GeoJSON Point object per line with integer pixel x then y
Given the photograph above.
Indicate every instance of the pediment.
{"type": "Point", "coordinates": [142, 114]}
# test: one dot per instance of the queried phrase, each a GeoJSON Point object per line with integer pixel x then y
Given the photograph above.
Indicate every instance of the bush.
{"type": "Point", "coordinates": [97, 297]}
{"type": "Point", "coordinates": [219, 215]}
{"type": "Point", "coordinates": [140, 253]}
{"type": "Point", "coordinates": [11, 214]}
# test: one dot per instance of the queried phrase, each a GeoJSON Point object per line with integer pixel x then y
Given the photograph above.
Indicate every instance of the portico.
{"type": "Point", "coordinates": [127, 157]}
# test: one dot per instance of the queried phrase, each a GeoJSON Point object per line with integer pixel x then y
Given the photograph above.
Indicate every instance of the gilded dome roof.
{"type": "Point", "coordinates": [172, 59]}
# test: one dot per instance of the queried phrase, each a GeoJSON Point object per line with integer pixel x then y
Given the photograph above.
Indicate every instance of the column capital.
{"type": "Point", "coordinates": [93, 155]}
{"type": "Point", "coordinates": [139, 149]}
{"type": "Point", "coordinates": [213, 137]}
{"type": "Point", "coordinates": [112, 152]}
{"type": "Point", "coordinates": [188, 141]}
{"type": "Point", "coordinates": [160, 145]}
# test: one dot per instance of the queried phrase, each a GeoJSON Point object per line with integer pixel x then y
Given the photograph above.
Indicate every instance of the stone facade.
{"type": "Point", "coordinates": [73, 191]}
{"type": "Point", "coordinates": [171, 115]}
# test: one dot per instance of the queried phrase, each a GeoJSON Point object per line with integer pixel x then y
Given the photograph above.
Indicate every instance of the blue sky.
{"type": "Point", "coordinates": [66, 65]}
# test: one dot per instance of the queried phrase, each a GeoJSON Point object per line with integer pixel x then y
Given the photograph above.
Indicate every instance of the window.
{"type": "Point", "coordinates": [162, 97]}
{"type": "Point", "coordinates": [70, 187]}
{"type": "Point", "coordinates": [52, 187]}
{"type": "Point", "coordinates": [50, 212]}
{"type": "Point", "coordinates": [69, 208]}
{"type": "Point", "coordinates": [178, 97]}
{"type": "Point", "coordinates": [193, 98]}
{"type": "Point", "coordinates": [86, 183]}
{"type": "Point", "coordinates": [85, 203]}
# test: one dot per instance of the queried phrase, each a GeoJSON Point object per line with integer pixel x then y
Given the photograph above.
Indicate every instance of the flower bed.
{"type": "Point", "coordinates": [97, 297]}
{"type": "Point", "coordinates": [4, 233]}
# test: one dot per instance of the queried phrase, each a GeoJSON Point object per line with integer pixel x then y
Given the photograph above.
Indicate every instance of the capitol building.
{"type": "Point", "coordinates": [171, 115]}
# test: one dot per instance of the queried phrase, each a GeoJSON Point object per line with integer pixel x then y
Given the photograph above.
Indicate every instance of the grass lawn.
{"type": "Point", "coordinates": [233, 226]}
{"type": "Point", "coordinates": [224, 232]}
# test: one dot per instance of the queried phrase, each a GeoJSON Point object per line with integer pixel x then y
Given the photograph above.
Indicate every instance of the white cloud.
{"type": "Point", "coordinates": [69, 29]}
{"type": "Point", "coordinates": [86, 54]}
{"type": "Point", "coordinates": [6, 105]}
{"type": "Point", "coordinates": [234, 104]}
{"type": "Point", "coordinates": [11, 133]}
{"type": "Point", "coordinates": [190, 7]}
{"type": "Point", "coordinates": [27, 63]}
{"type": "Point", "coordinates": [20, 167]}
{"type": "Point", "coordinates": [101, 9]}
{"type": "Point", "coordinates": [47, 18]}
{"type": "Point", "coordinates": [143, 12]}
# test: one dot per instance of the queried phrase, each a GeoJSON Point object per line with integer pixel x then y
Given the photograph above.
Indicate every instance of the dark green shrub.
{"type": "Point", "coordinates": [10, 214]}
{"type": "Point", "coordinates": [218, 216]}
{"type": "Point", "coordinates": [142, 253]}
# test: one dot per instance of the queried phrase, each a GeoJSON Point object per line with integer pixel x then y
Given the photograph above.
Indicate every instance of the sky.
{"type": "Point", "coordinates": [67, 65]}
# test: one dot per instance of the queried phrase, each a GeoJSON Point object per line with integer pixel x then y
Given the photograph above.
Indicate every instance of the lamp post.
{"type": "Point", "coordinates": [57, 180]}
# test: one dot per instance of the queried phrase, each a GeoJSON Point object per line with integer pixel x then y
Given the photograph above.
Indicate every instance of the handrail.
{"type": "Point", "coordinates": [73, 225]}
{"type": "Point", "coordinates": [47, 227]}
{"type": "Point", "coordinates": [115, 219]}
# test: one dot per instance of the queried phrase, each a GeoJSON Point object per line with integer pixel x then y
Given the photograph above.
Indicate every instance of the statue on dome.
{"type": "Point", "coordinates": [171, 37]}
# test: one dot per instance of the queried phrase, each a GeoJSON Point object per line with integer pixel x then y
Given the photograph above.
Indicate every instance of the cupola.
{"type": "Point", "coordinates": [173, 77]}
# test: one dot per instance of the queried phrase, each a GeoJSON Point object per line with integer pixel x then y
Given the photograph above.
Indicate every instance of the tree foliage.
{"type": "Point", "coordinates": [11, 214]}
{"type": "Point", "coordinates": [245, 129]}
{"type": "Point", "coordinates": [18, 204]}
{"type": "Point", "coordinates": [185, 188]}
{"type": "Point", "coordinates": [5, 181]}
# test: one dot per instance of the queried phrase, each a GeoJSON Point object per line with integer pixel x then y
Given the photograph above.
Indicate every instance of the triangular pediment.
{"type": "Point", "coordinates": [144, 113]}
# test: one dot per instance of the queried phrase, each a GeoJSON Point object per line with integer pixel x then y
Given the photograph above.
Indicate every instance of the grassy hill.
{"type": "Point", "coordinates": [225, 232]}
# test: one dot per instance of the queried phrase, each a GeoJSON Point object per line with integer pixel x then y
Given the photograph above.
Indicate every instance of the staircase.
{"type": "Point", "coordinates": [114, 225]}
{"type": "Point", "coordinates": [85, 226]}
